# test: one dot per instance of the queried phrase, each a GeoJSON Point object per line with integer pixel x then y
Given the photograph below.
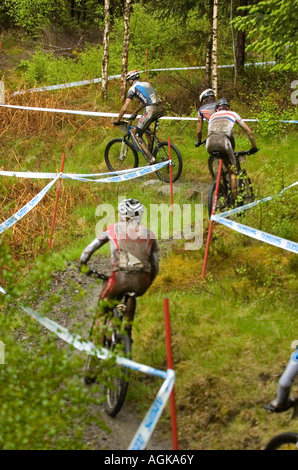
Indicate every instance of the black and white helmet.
{"type": "Point", "coordinates": [223, 103]}
{"type": "Point", "coordinates": [206, 93]}
{"type": "Point", "coordinates": [130, 208]}
{"type": "Point", "coordinates": [133, 75]}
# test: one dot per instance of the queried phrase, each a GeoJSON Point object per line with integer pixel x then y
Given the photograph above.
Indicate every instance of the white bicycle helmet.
{"type": "Point", "coordinates": [130, 208]}
{"type": "Point", "coordinates": [206, 93]}
{"type": "Point", "coordinates": [133, 75]}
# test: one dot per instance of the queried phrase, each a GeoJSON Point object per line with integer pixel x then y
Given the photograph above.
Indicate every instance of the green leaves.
{"type": "Point", "coordinates": [272, 28]}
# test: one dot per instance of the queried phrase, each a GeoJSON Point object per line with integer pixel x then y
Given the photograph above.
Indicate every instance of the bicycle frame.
{"type": "Point", "coordinates": [130, 136]}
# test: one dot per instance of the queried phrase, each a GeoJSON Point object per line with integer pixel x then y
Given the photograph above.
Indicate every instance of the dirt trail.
{"type": "Point", "coordinates": [121, 429]}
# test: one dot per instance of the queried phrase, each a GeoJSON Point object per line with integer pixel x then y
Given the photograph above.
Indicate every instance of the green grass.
{"type": "Point", "coordinates": [231, 333]}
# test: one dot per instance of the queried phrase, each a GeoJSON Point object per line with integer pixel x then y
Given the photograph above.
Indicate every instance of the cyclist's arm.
{"type": "Point", "coordinates": [199, 130]}
{"type": "Point", "coordinates": [154, 261]}
{"type": "Point", "coordinates": [92, 247]}
{"type": "Point", "coordinates": [123, 109]}
{"type": "Point", "coordinates": [249, 133]}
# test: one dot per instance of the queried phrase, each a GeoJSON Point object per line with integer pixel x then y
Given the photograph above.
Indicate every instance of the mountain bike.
{"type": "Point", "coordinates": [225, 199]}
{"type": "Point", "coordinates": [118, 341]}
{"type": "Point", "coordinates": [286, 440]}
{"type": "Point", "coordinates": [122, 153]}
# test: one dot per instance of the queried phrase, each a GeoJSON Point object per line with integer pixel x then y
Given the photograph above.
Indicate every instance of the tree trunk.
{"type": "Point", "coordinates": [233, 45]}
{"type": "Point", "coordinates": [214, 47]}
{"type": "Point", "coordinates": [209, 46]}
{"type": "Point", "coordinates": [240, 54]}
{"type": "Point", "coordinates": [105, 58]}
{"type": "Point", "coordinates": [126, 15]}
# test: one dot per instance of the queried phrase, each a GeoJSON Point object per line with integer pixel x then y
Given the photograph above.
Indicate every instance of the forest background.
{"type": "Point", "coordinates": [232, 332]}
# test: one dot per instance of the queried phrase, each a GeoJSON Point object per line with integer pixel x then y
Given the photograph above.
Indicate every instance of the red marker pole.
{"type": "Point", "coordinates": [171, 177]}
{"type": "Point", "coordinates": [56, 202]}
{"type": "Point", "coordinates": [212, 213]}
{"type": "Point", "coordinates": [170, 366]}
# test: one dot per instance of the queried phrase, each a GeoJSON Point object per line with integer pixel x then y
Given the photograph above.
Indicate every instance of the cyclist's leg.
{"type": "Point", "coordinates": [150, 115]}
{"type": "Point", "coordinates": [135, 283]}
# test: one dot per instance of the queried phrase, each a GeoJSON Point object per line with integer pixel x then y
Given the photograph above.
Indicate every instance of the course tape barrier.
{"type": "Point", "coordinates": [27, 208]}
{"type": "Point", "coordinates": [255, 233]}
{"type": "Point", "coordinates": [124, 176]}
{"type": "Point", "coordinates": [112, 77]}
{"type": "Point", "coordinates": [148, 424]}
{"type": "Point", "coordinates": [2, 290]}
{"type": "Point", "coordinates": [102, 114]}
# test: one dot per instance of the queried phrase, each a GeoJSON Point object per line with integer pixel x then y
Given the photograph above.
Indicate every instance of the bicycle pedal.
{"type": "Point", "coordinates": [121, 308]}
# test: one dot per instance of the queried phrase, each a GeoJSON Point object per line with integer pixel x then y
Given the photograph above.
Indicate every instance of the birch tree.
{"type": "Point", "coordinates": [214, 47]}
{"type": "Point", "coordinates": [126, 38]}
{"type": "Point", "coordinates": [105, 58]}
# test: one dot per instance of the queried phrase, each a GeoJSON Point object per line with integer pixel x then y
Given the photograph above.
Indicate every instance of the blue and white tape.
{"type": "Point", "coordinates": [255, 233]}
{"type": "Point", "coordinates": [103, 114]}
{"type": "Point", "coordinates": [27, 208]}
{"type": "Point", "coordinates": [111, 77]}
{"type": "Point", "coordinates": [77, 342]}
{"type": "Point", "coordinates": [135, 173]}
{"type": "Point", "coordinates": [258, 234]}
{"type": "Point", "coordinates": [236, 210]}
{"type": "Point", "coordinates": [148, 424]}
{"type": "Point", "coordinates": [38, 175]}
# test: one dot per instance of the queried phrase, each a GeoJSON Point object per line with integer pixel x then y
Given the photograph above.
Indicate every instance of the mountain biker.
{"type": "Point", "coordinates": [207, 99]}
{"type": "Point", "coordinates": [282, 402]}
{"type": "Point", "coordinates": [149, 100]}
{"type": "Point", "coordinates": [134, 258]}
{"type": "Point", "coordinates": [220, 139]}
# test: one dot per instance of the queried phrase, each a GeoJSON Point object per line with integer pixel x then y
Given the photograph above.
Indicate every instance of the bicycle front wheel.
{"type": "Point", "coordinates": [161, 154]}
{"type": "Point", "coordinates": [117, 388]}
{"type": "Point", "coordinates": [120, 155]}
{"type": "Point", "coordinates": [221, 201]}
{"type": "Point", "coordinates": [285, 441]}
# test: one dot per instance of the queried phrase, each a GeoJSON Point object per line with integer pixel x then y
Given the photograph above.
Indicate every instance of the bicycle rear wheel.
{"type": "Point", "coordinates": [121, 155]}
{"type": "Point", "coordinates": [285, 441]}
{"type": "Point", "coordinates": [161, 154]}
{"type": "Point", "coordinates": [117, 388]}
{"type": "Point", "coordinates": [221, 202]}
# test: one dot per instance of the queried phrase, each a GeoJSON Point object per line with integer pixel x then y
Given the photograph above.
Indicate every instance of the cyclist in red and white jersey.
{"type": "Point", "coordinates": [149, 100]}
{"type": "Point", "coordinates": [134, 256]}
{"type": "Point", "coordinates": [220, 137]}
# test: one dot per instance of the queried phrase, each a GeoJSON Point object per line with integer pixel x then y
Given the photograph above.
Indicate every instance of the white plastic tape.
{"type": "Point", "coordinates": [111, 77]}
{"type": "Point", "coordinates": [27, 208]}
{"type": "Point", "coordinates": [258, 234]}
{"type": "Point", "coordinates": [252, 232]}
{"type": "Point", "coordinates": [102, 114]}
{"type": "Point", "coordinates": [77, 342]}
{"type": "Point", "coordinates": [2, 290]}
{"type": "Point", "coordinates": [148, 424]}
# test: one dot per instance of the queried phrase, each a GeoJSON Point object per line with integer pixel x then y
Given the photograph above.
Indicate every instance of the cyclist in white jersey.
{"type": "Point", "coordinates": [134, 257]}
{"type": "Point", "coordinates": [220, 137]}
{"type": "Point", "coordinates": [149, 100]}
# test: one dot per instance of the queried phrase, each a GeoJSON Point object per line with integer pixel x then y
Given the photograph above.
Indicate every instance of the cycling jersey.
{"type": "Point", "coordinates": [206, 111]}
{"type": "Point", "coordinates": [222, 122]}
{"type": "Point", "coordinates": [133, 248]}
{"type": "Point", "coordinates": [144, 92]}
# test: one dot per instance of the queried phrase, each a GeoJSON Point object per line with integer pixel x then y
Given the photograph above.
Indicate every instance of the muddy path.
{"type": "Point", "coordinates": [76, 306]}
